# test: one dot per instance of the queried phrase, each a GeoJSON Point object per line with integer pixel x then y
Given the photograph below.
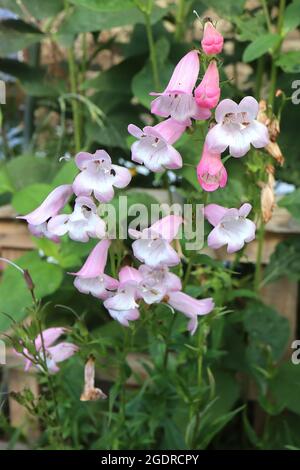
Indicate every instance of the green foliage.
{"type": "Point", "coordinates": [260, 46]}
{"type": "Point", "coordinates": [188, 390]}
{"type": "Point", "coordinates": [289, 62]}
{"type": "Point", "coordinates": [285, 261]}
{"type": "Point", "coordinates": [16, 34]}
{"type": "Point", "coordinates": [292, 203]}
{"type": "Point", "coordinates": [105, 5]}
{"type": "Point", "coordinates": [143, 81]}
{"type": "Point", "coordinates": [268, 334]}
{"type": "Point", "coordinates": [49, 9]}
{"type": "Point", "coordinates": [291, 18]}
{"type": "Point", "coordinates": [285, 387]}
{"type": "Point", "coordinates": [15, 297]}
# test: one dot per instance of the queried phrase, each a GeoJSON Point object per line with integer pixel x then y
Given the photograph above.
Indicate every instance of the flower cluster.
{"type": "Point", "coordinates": [94, 183]}
{"type": "Point", "coordinates": [152, 282]}
{"type": "Point", "coordinates": [181, 103]}
{"type": "Point", "coordinates": [236, 127]}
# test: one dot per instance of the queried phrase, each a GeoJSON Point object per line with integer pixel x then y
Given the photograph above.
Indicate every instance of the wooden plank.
{"type": "Point", "coordinates": [19, 417]}
{"type": "Point", "coordinates": [15, 235]}
{"type": "Point", "coordinates": [283, 296]}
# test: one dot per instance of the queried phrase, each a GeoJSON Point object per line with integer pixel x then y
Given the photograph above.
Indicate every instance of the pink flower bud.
{"type": "Point", "coordinates": [207, 93]}
{"type": "Point", "coordinates": [211, 172]}
{"type": "Point", "coordinates": [212, 42]}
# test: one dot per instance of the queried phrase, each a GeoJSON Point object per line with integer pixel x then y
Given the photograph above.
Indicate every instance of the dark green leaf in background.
{"type": "Point", "coordinates": [260, 46]}
{"type": "Point", "coordinates": [14, 294]}
{"type": "Point", "coordinates": [16, 35]}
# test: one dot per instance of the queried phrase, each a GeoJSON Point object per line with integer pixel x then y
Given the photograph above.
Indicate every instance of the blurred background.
{"type": "Point", "coordinates": [75, 74]}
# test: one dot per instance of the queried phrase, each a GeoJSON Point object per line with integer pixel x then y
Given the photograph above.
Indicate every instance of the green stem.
{"type": "Point", "coordinates": [267, 15]}
{"type": "Point", "coordinates": [273, 77]}
{"type": "Point", "coordinates": [259, 76]}
{"type": "Point", "coordinates": [180, 16]}
{"type": "Point", "coordinates": [152, 49]}
{"type": "Point", "coordinates": [200, 357]}
{"type": "Point", "coordinates": [258, 265]}
{"type": "Point", "coordinates": [168, 337]}
{"type": "Point", "coordinates": [75, 104]}
{"type": "Point", "coordinates": [187, 273]}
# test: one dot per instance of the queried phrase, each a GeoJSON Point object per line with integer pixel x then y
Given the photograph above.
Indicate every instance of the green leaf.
{"type": "Point", "coordinates": [289, 61]}
{"type": "Point", "coordinates": [104, 5]}
{"type": "Point", "coordinates": [190, 174]}
{"type": "Point", "coordinates": [143, 84]}
{"type": "Point", "coordinates": [217, 414]}
{"type": "Point", "coordinates": [229, 8]}
{"type": "Point", "coordinates": [285, 261]}
{"type": "Point", "coordinates": [5, 183]}
{"type": "Point", "coordinates": [292, 203]}
{"type": "Point", "coordinates": [30, 197]}
{"type": "Point", "coordinates": [268, 333]}
{"type": "Point", "coordinates": [66, 173]}
{"type": "Point", "coordinates": [291, 18]}
{"type": "Point", "coordinates": [25, 170]}
{"type": "Point", "coordinates": [117, 79]}
{"type": "Point", "coordinates": [14, 294]}
{"type": "Point", "coordinates": [50, 8]}
{"type": "Point", "coordinates": [32, 79]}
{"type": "Point", "coordinates": [82, 19]}
{"type": "Point", "coordinates": [16, 35]}
{"type": "Point", "coordinates": [250, 27]}
{"type": "Point", "coordinates": [285, 387]}
{"type": "Point", "coordinates": [260, 46]}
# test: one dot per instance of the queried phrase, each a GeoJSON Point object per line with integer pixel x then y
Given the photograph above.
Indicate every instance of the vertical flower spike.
{"type": "Point", "coordinates": [154, 147]}
{"type": "Point", "coordinates": [98, 176]}
{"type": "Point", "coordinates": [212, 42]}
{"type": "Point", "coordinates": [211, 172]}
{"type": "Point", "coordinates": [232, 228]}
{"type": "Point", "coordinates": [91, 278]}
{"type": "Point", "coordinates": [207, 93]}
{"type": "Point", "coordinates": [177, 100]}
{"type": "Point", "coordinates": [190, 307]}
{"type": "Point", "coordinates": [152, 246]}
{"type": "Point", "coordinates": [51, 206]}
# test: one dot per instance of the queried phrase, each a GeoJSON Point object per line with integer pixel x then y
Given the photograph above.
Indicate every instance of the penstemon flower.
{"type": "Point", "coordinates": [82, 224]}
{"type": "Point", "coordinates": [152, 246]}
{"type": "Point", "coordinates": [177, 100]}
{"type": "Point", "coordinates": [212, 42]}
{"type": "Point", "coordinates": [54, 354]}
{"type": "Point", "coordinates": [211, 172]}
{"type": "Point", "coordinates": [231, 227]}
{"type": "Point", "coordinates": [237, 128]}
{"type": "Point", "coordinates": [91, 279]}
{"type": "Point", "coordinates": [98, 176]}
{"type": "Point", "coordinates": [123, 306]}
{"type": "Point", "coordinates": [50, 207]}
{"type": "Point", "coordinates": [154, 147]}
{"type": "Point", "coordinates": [190, 307]}
{"type": "Point", "coordinates": [157, 283]}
